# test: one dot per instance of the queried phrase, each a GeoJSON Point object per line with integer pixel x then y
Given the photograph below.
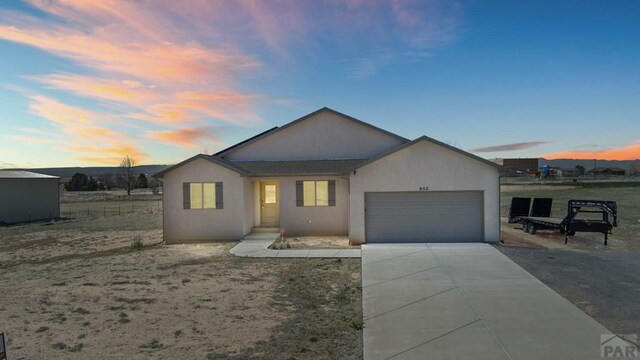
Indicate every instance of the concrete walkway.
{"type": "Point", "coordinates": [257, 245]}
{"type": "Point", "coordinates": [465, 301]}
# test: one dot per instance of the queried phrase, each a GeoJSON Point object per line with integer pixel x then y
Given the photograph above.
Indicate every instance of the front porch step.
{"type": "Point", "coordinates": [261, 229]}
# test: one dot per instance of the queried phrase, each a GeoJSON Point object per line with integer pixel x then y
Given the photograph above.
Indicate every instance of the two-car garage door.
{"type": "Point", "coordinates": [448, 216]}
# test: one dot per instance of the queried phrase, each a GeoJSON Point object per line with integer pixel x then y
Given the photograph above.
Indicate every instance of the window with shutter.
{"type": "Point", "coordinates": [315, 193]}
{"type": "Point", "coordinates": [202, 195]}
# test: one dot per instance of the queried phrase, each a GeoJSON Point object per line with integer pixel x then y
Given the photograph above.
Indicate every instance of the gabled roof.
{"type": "Point", "coordinates": [308, 116]}
{"type": "Point", "coordinates": [20, 174]}
{"type": "Point", "coordinates": [297, 167]}
{"type": "Point", "coordinates": [214, 159]}
{"type": "Point", "coordinates": [428, 139]}
{"type": "Point", "coordinates": [245, 141]}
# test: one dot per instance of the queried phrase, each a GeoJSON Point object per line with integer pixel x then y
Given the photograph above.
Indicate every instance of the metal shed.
{"type": "Point", "coordinates": [27, 196]}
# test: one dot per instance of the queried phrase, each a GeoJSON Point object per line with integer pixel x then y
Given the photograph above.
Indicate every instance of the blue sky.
{"type": "Point", "coordinates": [85, 83]}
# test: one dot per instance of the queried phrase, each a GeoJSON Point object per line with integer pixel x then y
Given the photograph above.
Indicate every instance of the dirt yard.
{"type": "Point", "coordinates": [78, 289]}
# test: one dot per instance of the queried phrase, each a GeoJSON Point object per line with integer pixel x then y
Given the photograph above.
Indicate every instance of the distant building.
{"type": "Point", "coordinates": [520, 167]}
{"type": "Point", "coordinates": [568, 172]}
{"type": "Point", "coordinates": [615, 171]}
{"type": "Point", "coordinates": [27, 196]}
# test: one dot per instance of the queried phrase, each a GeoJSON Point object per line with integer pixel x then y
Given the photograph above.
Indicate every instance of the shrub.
{"type": "Point", "coordinates": [136, 243]}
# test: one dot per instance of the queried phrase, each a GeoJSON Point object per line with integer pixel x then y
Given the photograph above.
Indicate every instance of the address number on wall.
{"type": "Point", "coordinates": [423, 188]}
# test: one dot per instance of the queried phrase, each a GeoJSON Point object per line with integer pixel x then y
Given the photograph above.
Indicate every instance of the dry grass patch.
{"type": "Point", "coordinates": [313, 242]}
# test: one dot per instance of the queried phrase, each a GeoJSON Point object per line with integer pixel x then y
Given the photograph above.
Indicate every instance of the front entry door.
{"type": "Point", "coordinates": [269, 203]}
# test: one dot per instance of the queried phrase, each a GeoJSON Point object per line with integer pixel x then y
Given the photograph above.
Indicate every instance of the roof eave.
{"type": "Point", "coordinates": [210, 158]}
{"type": "Point", "coordinates": [294, 174]}
{"type": "Point", "coordinates": [428, 139]}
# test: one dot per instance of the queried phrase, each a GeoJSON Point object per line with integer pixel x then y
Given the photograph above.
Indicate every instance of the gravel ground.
{"type": "Point", "coordinates": [605, 285]}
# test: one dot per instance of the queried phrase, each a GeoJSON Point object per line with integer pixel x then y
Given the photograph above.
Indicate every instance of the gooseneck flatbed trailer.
{"type": "Point", "coordinates": [537, 216]}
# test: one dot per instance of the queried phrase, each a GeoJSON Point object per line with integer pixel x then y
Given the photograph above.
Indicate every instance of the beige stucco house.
{"type": "Point", "coordinates": [331, 174]}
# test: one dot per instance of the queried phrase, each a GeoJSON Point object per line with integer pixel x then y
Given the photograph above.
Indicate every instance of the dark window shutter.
{"type": "Point", "coordinates": [186, 195]}
{"type": "Point", "coordinates": [219, 199]}
{"type": "Point", "coordinates": [332, 193]}
{"type": "Point", "coordinates": [299, 193]}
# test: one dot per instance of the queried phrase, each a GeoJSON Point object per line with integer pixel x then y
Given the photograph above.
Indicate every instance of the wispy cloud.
{"type": "Point", "coordinates": [91, 141]}
{"type": "Point", "coordinates": [185, 137]}
{"type": "Point", "coordinates": [417, 25]}
{"type": "Point", "coordinates": [365, 67]}
{"type": "Point", "coordinates": [71, 120]}
{"type": "Point", "coordinates": [130, 92]}
{"type": "Point", "coordinates": [509, 147]}
{"type": "Point", "coordinates": [108, 155]}
{"type": "Point", "coordinates": [630, 152]}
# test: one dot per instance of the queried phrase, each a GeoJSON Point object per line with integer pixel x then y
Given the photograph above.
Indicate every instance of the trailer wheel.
{"type": "Point", "coordinates": [525, 226]}
{"type": "Point", "coordinates": [532, 229]}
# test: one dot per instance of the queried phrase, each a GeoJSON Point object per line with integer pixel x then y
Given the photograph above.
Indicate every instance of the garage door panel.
{"type": "Point", "coordinates": [424, 217]}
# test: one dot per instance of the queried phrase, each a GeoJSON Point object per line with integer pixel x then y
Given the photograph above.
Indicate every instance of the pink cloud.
{"type": "Point", "coordinates": [110, 154]}
{"type": "Point", "coordinates": [144, 57]}
{"type": "Point", "coordinates": [85, 136]}
{"type": "Point", "coordinates": [184, 137]}
{"type": "Point", "coordinates": [127, 91]}
{"type": "Point", "coordinates": [630, 152]}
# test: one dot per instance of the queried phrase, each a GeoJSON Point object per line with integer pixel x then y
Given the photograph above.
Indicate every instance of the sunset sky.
{"type": "Point", "coordinates": [87, 82]}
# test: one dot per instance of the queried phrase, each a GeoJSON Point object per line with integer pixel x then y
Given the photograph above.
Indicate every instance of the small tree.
{"type": "Point", "coordinates": [81, 182]}
{"type": "Point", "coordinates": [92, 184]}
{"type": "Point", "coordinates": [580, 169]}
{"type": "Point", "coordinates": [127, 179]}
{"type": "Point", "coordinates": [154, 185]}
{"type": "Point", "coordinates": [78, 182]}
{"type": "Point", "coordinates": [142, 181]}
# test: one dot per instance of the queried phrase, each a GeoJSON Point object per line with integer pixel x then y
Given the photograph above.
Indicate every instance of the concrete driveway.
{"type": "Point", "coordinates": [465, 301]}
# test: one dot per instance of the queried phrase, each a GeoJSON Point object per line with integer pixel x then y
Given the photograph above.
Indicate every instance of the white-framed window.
{"type": "Point", "coordinates": [315, 193]}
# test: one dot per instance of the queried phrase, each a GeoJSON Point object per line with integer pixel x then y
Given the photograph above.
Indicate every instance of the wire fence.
{"type": "Point", "coordinates": [109, 209]}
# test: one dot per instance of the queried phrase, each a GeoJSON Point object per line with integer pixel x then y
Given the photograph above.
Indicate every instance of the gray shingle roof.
{"type": "Point", "coordinates": [295, 167]}
{"type": "Point", "coordinates": [19, 174]}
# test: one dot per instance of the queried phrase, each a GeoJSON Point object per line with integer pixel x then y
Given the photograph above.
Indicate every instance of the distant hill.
{"type": "Point", "coordinates": [67, 172]}
{"type": "Point", "coordinates": [588, 164]}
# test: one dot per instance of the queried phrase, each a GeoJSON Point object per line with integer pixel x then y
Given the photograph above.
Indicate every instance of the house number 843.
{"type": "Point", "coordinates": [423, 188]}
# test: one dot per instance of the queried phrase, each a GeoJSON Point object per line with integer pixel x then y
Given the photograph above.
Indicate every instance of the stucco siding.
{"type": "Point", "coordinates": [185, 225]}
{"type": "Point", "coordinates": [425, 164]}
{"type": "Point", "coordinates": [249, 205]}
{"type": "Point", "coordinates": [321, 220]}
{"type": "Point", "coordinates": [23, 200]}
{"type": "Point", "coordinates": [326, 135]}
